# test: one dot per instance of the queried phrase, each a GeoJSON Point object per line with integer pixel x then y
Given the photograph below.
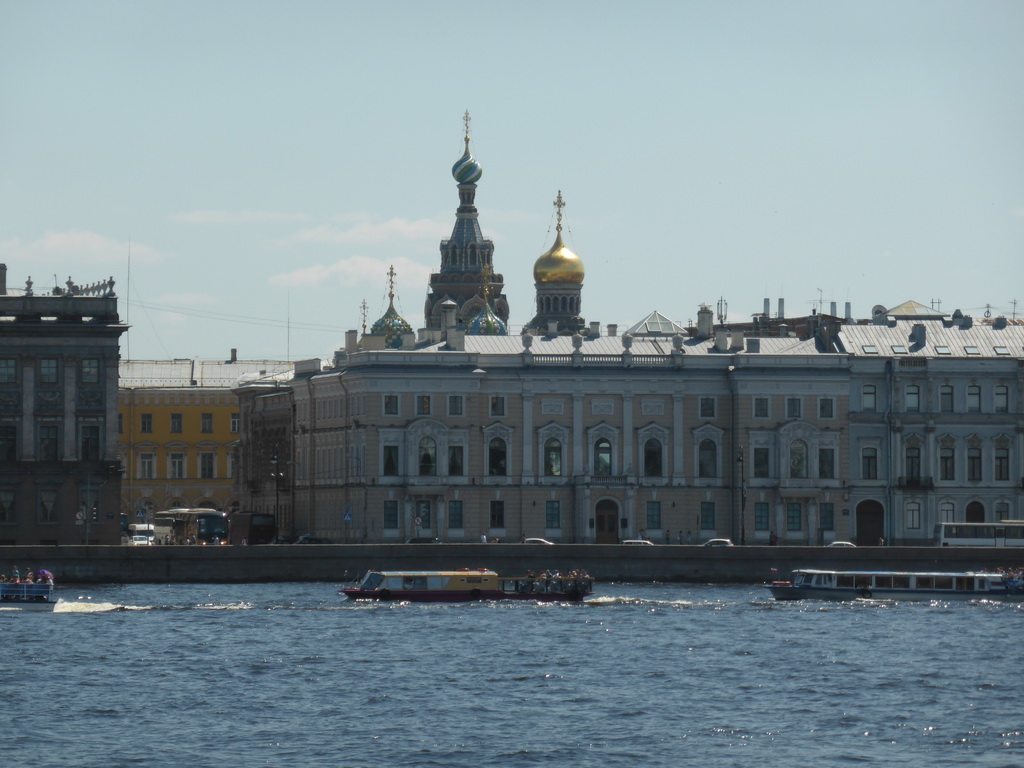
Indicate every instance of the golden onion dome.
{"type": "Point", "coordinates": [559, 264]}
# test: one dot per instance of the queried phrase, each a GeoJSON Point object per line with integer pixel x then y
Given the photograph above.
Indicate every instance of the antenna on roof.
{"type": "Point", "coordinates": [723, 310]}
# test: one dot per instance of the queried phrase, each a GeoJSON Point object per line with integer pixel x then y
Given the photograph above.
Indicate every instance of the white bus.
{"type": "Point", "coordinates": [1005, 533]}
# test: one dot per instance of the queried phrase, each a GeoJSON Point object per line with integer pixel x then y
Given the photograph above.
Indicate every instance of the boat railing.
{"type": "Point", "coordinates": [27, 592]}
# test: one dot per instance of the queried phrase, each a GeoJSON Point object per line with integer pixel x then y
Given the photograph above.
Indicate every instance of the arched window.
{"type": "Point", "coordinates": [552, 457]}
{"type": "Point", "coordinates": [707, 459]}
{"type": "Point", "coordinates": [497, 453]}
{"type": "Point", "coordinates": [798, 459]}
{"type": "Point", "coordinates": [603, 457]}
{"type": "Point", "coordinates": [652, 458]}
{"type": "Point", "coordinates": [428, 456]}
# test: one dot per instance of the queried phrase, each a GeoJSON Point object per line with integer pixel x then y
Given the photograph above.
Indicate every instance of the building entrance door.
{"type": "Point", "coordinates": [870, 524]}
{"type": "Point", "coordinates": [606, 521]}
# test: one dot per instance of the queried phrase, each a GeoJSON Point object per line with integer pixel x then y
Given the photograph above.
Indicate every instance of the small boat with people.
{"type": "Point", "coordinates": [809, 583]}
{"type": "Point", "coordinates": [33, 592]}
{"type": "Point", "coordinates": [470, 584]}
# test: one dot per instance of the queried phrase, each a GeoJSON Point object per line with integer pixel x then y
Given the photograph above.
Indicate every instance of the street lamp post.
{"type": "Point", "coordinates": [743, 499]}
{"type": "Point", "coordinates": [276, 474]}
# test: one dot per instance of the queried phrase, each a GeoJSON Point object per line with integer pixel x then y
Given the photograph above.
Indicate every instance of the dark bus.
{"type": "Point", "coordinates": [253, 528]}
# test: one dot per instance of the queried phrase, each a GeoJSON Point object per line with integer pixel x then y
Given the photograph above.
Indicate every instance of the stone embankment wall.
{"type": "Point", "coordinates": [342, 563]}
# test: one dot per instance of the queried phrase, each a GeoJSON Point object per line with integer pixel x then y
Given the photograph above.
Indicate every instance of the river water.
{"type": "Point", "coordinates": [294, 675]}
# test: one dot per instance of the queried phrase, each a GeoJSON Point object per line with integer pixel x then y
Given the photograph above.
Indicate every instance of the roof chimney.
{"type": "Point", "coordinates": [704, 321]}
{"type": "Point", "coordinates": [782, 308]}
{"type": "Point", "coordinates": [3, 279]}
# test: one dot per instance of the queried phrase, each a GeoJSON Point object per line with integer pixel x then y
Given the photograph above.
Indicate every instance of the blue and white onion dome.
{"type": "Point", "coordinates": [467, 170]}
{"type": "Point", "coordinates": [486, 323]}
{"type": "Point", "coordinates": [391, 326]}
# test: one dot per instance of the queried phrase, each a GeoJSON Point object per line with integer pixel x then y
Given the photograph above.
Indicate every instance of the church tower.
{"type": "Point", "coordinates": [558, 275]}
{"type": "Point", "coordinates": [467, 274]}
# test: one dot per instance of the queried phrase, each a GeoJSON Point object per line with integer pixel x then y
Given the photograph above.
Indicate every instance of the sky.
{"type": "Point", "coordinates": [247, 172]}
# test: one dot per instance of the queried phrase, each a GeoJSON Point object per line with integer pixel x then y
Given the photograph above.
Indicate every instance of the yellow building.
{"type": "Point", "coordinates": [178, 428]}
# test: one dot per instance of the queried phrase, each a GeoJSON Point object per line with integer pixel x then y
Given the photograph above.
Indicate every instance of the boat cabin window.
{"type": "Point", "coordinates": [371, 581]}
{"type": "Point", "coordinates": [414, 582]}
{"type": "Point", "coordinates": [862, 581]}
{"type": "Point", "coordinates": [883, 582]}
{"type": "Point", "coordinates": [844, 580]}
{"type": "Point", "coordinates": [901, 582]}
{"type": "Point", "coordinates": [943, 582]}
{"type": "Point", "coordinates": [926, 582]}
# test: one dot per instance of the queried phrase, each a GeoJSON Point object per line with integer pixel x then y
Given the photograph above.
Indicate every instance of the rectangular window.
{"type": "Point", "coordinates": [390, 405]}
{"type": "Point", "coordinates": [89, 442]}
{"type": "Point", "coordinates": [707, 407]}
{"type": "Point", "coordinates": [794, 516]}
{"type": "Point", "coordinates": [8, 443]}
{"type": "Point", "coordinates": [390, 521]}
{"type": "Point", "coordinates": [760, 407]}
{"type": "Point", "coordinates": [146, 423]}
{"type": "Point", "coordinates": [423, 405]}
{"type": "Point", "coordinates": [455, 519]}
{"type": "Point", "coordinates": [867, 397]}
{"type": "Point", "coordinates": [654, 514]}
{"type": "Point", "coordinates": [1002, 464]}
{"type": "Point", "coordinates": [206, 422]}
{"type": "Point", "coordinates": [497, 513]}
{"type": "Point", "coordinates": [762, 516]}
{"type": "Point", "coordinates": [176, 422]}
{"type": "Point", "coordinates": [707, 515]}
{"type": "Point", "coordinates": [912, 400]}
{"type": "Point", "coordinates": [946, 399]}
{"type": "Point", "coordinates": [974, 464]}
{"type": "Point", "coordinates": [913, 515]}
{"type": "Point", "coordinates": [1000, 399]}
{"type": "Point", "coordinates": [869, 464]}
{"type": "Point", "coordinates": [552, 514]}
{"type": "Point", "coordinates": [761, 463]}
{"type": "Point", "coordinates": [177, 466]}
{"type": "Point", "coordinates": [828, 516]}
{"type": "Point", "coordinates": [826, 408]}
{"type": "Point", "coordinates": [8, 370]}
{"type": "Point", "coordinates": [236, 423]}
{"type": "Point", "coordinates": [146, 466]}
{"type": "Point", "coordinates": [973, 398]}
{"type": "Point", "coordinates": [947, 464]}
{"type": "Point", "coordinates": [48, 371]}
{"type": "Point", "coordinates": [389, 461]}
{"type": "Point", "coordinates": [206, 464]}
{"type": "Point", "coordinates": [827, 463]}
{"type": "Point", "coordinates": [49, 442]}
{"type": "Point", "coordinates": [456, 460]}
{"type": "Point", "coordinates": [455, 405]}
{"type": "Point", "coordinates": [90, 370]}
{"type": "Point", "coordinates": [794, 408]}
{"type": "Point", "coordinates": [497, 405]}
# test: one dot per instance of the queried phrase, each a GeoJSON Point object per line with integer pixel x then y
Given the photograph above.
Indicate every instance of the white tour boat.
{"type": "Point", "coordinates": [897, 585]}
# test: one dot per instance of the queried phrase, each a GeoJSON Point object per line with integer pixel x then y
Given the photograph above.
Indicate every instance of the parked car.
{"type": "Point", "coordinates": [718, 543]}
{"type": "Point", "coordinates": [537, 541]}
{"type": "Point", "coordinates": [310, 539]}
{"type": "Point", "coordinates": [638, 542]}
{"type": "Point", "coordinates": [842, 544]}
{"type": "Point", "coordinates": [423, 540]}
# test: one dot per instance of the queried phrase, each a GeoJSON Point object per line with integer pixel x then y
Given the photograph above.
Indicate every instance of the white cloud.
{"type": "Point", "coordinates": [365, 231]}
{"type": "Point", "coordinates": [69, 249]}
{"type": "Point", "coordinates": [356, 271]}
{"type": "Point", "coordinates": [235, 217]}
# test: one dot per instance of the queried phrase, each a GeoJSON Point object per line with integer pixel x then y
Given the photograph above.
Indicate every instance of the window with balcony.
{"type": "Point", "coordinates": [456, 460]}
{"type": "Point", "coordinates": [652, 458]}
{"type": "Point", "coordinates": [603, 457]}
{"type": "Point", "coordinates": [912, 458]}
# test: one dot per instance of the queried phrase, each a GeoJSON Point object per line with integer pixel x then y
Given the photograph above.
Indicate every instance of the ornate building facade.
{"type": "Point", "coordinates": [59, 473]}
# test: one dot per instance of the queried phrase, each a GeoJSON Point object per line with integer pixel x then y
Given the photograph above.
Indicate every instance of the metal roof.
{"type": "Point", "coordinates": [940, 339]}
{"type": "Point", "coordinates": [154, 374]}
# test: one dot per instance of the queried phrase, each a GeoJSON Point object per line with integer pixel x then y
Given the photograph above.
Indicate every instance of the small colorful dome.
{"type": "Point", "coordinates": [486, 323]}
{"type": "Point", "coordinates": [467, 170]}
{"type": "Point", "coordinates": [392, 325]}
